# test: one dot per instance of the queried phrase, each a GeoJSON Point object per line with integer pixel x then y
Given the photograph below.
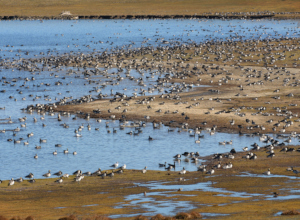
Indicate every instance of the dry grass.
{"type": "Point", "coordinates": [141, 217]}
{"type": "Point", "coordinates": [71, 217]}
{"type": "Point", "coordinates": [187, 216]}
{"type": "Point", "coordinates": [181, 215]}
{"type": "Point", "coordinates": [142, 7]}
{"type": "Point", "coordinates": [292, 212]}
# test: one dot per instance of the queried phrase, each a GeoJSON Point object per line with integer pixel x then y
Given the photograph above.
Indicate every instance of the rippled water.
{"type": "Point", "coordinates": [97, 148]}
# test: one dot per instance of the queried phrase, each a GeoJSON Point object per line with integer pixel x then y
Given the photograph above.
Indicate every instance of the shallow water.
{"type": "Point", "coordinates": [97, 148]}
{"type": "Point", "coordinates": [55, 36]}
{"type": "Point", "coordinates": [153, 206]}
{"type": "Point", "coordinates": [267, 176]}
{"type": "Point", "coordinates": [202, 186]}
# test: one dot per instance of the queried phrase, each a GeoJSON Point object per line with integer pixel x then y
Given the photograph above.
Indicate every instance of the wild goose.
{"type": "Point", "coordinates": [59, 173]}
{"type": "Point", "coordinates": [115, 165]}
{"type": "Point", "coordinates": [11, 182]}
{"type": "Point", "coordinates": [183, 171]}
{"type": "Point", "coordinates": [218, 166]}
{"type": "Point", "coordinates": [103, 175]}
{"type": "Point", "coordinates": [177, 156]}
{"type": "Point", "coordinates": [120, 171]}
{"type": "Point", "coordinates": [110, 174]}
{"type": "Point", "coordinates": [78, 178]}
{"type": "Point", "coordinates": [295, 171]}
{"type": "Point", "coordinates": [19, 180]}
{"type": "Point", "coordinates": [30, 176]}
{"type": "Point", "coordinates": [77, 172]}
{"type": "Point", "coordinates": [43, 140]}
{"type": "Point", "coordinates": [162, 164]}
{"type": "Point", "coordinates": [210, 172]}
{"type": "Point", "coordinates": [144, 170]}
{"type": "Point", "coordinates": [186, 154]}
{"type": "Point", "coordinates": [65, 175]}
{"type": "Point", "coordinates": [60, 180]}
{"type": "Point", "coordinates": [122, 167]}
{"type": "Point", "coordinates": [47, 174]}
{"type": "Point", "coordinates": [268, 172]}
{"type": "Point", "coordinates": [271, 155]}
{"type": "Point", "coordinates": [31, 181]}
{"type": "Point", "coordinates": [98, 172]}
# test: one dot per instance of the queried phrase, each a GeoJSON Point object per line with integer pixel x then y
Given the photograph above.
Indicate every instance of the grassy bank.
{"type": "Point", "coordinates": [143, 7]}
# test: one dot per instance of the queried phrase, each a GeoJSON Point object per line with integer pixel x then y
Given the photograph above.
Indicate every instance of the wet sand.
{"type": "Point", "coordinates": [260, 98]}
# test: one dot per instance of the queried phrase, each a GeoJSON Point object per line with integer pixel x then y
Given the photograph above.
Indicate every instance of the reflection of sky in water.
{"type": "Point", "coordinates": [203, 186]}
{"type": "Point", "coordinates": [97, 148]}
{"type": "Point", "coordinates": [97, 35]}
{"type": "Point", "coordinates": [152, 205]}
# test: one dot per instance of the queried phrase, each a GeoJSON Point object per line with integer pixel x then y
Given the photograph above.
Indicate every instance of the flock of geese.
{"type": "Point", "coordinates": [85, 65]}
{"type": "Point", "coordinates": [79, 175]}
{"type": "Point", "coordinates": [274, 145]}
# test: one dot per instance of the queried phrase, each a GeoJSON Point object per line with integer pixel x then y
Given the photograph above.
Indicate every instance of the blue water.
{"type": "Point", "coordinates": [85, 36]}
{"type": "Point", "coordinates": [96, 148]}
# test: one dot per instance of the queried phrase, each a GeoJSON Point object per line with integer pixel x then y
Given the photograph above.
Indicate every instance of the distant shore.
{"type": "Point", "coordinates": [148, 9]}
{"type": "Point", "coordinates": [109, 17]}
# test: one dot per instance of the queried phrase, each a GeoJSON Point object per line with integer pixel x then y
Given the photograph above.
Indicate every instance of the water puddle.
{"type": "Point", "coordinates": [266, 176]}
{"type": "Point", "coordinates": [153, 206]}
{"type": "Point", "coordinates": [206, 215]}
{"type": "Point", "coordinates": [60, 207]}
{"type": "Point", "coordinates": [278, 214]}
{"type": "Point", "coordinates": [203, 186]}
{"type": "Point", "coordinates": [288, 197]}
{"type": "Point", "coordinates": [89, 205]}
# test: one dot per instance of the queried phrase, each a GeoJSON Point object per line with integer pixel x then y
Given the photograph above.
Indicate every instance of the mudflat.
{"type": "Point", "coordinates": [244, 89]}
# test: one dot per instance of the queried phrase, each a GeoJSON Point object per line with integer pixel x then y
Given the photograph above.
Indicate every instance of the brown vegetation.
{"type": "Point", "coordinates": [292, 212]}
{"type": "Point", "coordinates": [180, 215]}
{"type": "Point", "coordinates": [143, 7]}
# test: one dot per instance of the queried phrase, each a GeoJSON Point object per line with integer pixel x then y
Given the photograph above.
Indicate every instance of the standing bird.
{"type": "Point", "coordinates": [30, 176]}
{"type": "Point", "coordinates": [115, 165]}
{"type": "Point", "coordinates": [59, 173]}
{"type": "Point", "coordinates": [144, 170]}
{"type": "Point", "coordinates": [11, 182]}
{"type": "Point", "coordinates": [47, 174]}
